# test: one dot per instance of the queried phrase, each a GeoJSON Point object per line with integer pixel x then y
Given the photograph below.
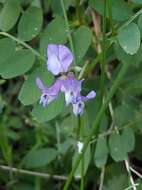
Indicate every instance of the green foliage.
{"type": "Point", "coordinates": [17, 64]}
{"type": "Point", "coordinates": [9, 15]}
{"type": "Point", "coordinates": [50, 112]}
{"type": "Point", "coordinates": [40, 157]}
{"type": "Point", "coordinates": [30, 93]}
{"type": "Point", "coordinates": [39, 140]}
{"type": "Point", "coordinates": [101, 152]}
{"type": "Point", "coordinates": [55, 32]}
{"type": "Point", "coordinates": [82, 40]}
{"type": "Point", "coordinates": [30, 24]}
{"type": "Point", "coordinates": [116, 147]}
{"type": "Point", "coordinates": [128, 43]}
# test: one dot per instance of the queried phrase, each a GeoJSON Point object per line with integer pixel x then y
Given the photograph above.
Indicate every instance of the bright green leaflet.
{"type": "Point", "coordinates": [6, 44]}
{"type": "Point", "coordinates": [19, 63]}
{"type": "Point", "coordinates": [129, 43]}
{"type": "Point", "coordinates": [30, 24]}
{"type": "Point", "coordinates": [9, 15]}
{"type": "Point", "coordinates": [82, 40]}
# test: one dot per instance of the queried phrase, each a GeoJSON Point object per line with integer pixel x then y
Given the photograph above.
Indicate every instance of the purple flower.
{"type": "Point", "coordinates": [48, 94]}
{"type": "Point", "coordinates": [59, 58]}
{"type": "Point", "coordinates": [78, 104]}
{"type": "Point", "coordinates": [72, 89]}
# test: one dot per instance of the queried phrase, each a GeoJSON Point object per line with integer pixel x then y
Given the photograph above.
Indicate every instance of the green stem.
{"type": "Point", "coordinates": [110, 16]}
{"type": "Point", "coordinates": [68, 30]}
{"type": "Point", "coordinates": [82, 174]}
{"type": "Point", "coordinates": [98, 118]}
{"type": "Point", "coordinates": [103, 52]}
{"type": "Point", "coordinates": [23, 44]}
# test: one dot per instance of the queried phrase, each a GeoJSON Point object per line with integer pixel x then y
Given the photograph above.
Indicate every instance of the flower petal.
{"type": "Point", "coordinates": [65, 57]}
{"type": "Point", "coordinates": [78, 108]}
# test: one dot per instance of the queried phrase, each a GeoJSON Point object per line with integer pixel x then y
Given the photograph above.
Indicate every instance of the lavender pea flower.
{"type": "Point", "coordinates": [48, 94]}
{"type": "Point", "coordinates": [78, 104]}
{"type": "Point", "coordinates": [59, 58]}
{"type": "Point", "coordinates": [71, 87]}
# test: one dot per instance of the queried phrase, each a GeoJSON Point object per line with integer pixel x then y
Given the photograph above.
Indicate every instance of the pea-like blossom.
{"type": "Point", "coordinates": [72, 89]}
{"type": "Point", "coordinates": [59, 61]}
{"type": "Point", "coordinates": [59, 58]}
{"type": "Point", "coordinates": [48, 93]}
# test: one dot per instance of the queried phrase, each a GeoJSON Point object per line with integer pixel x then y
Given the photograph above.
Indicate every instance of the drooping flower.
{"type": "Point", "coordinates": [48, 93]}
{"type": "Point", "coordinates": [59, 58]}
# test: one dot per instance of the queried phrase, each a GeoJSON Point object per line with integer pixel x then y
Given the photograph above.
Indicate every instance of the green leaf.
{"type": "Point", "coordinates": [128, 139]}
{"type": "Point", "coordinates": [55, 32]}
{"type": "Point", "coordinates": [29, 92]}
{"type": "Point", "coordinates": [137, 1]}
{"type": "Point", "coordinates": [123, 114]}
{"type": "Point", "coordinates": [9, 15]}
{"type": "Point", "coordinates": [43, 114]}
{"type": "Point", "coordinates": [82, 40]}
{"type": "Point", "coordinates": [40, 157]}
{"type": "Point", "coordinates": [30, 24]}
{"type": "Point", "coordinates": [126, 58]}
{"type": "Point", "coordinates": [117, 183]}
{"type": "Point", "coordinates": [101, 152]}
{"type": "Point", "coordinates": [87, 157]}
{"type": "Point", "coordinates": [19, 63]}
{"type": "Point", "coordinates": [7, 49]}
{"type": "Point", "coordinates": [130, 43]}
{"type": "Point", "coordinates": [118, 5]}
{"type": "Point", "coordinates": [116, 148]}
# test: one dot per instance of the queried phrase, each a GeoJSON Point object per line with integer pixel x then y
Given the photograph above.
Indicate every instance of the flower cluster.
{"type": "Point", "coordinates": [59, 61]}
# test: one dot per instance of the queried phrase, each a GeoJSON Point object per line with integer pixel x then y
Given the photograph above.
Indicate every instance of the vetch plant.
{"type": "Point", "coordinates": [59, 61]}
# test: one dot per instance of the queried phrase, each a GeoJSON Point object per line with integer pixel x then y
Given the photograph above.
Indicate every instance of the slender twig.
{"type": "Point", "coordinates": [136, 172]}
{"type": "Point", "coordinates": [33, 173]}
{"type": "Point", "coordinates": [130, 176]}
{"type": "Point", "coordinates": [36, 53]}
{"type": "Point", "coordinates": [102, 178]}
{"type": "Point", "coordinates": [68, 30]}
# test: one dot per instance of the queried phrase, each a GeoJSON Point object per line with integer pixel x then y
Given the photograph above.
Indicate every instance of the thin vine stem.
{"type": "Point", "coordinates": [82, 174]}
{"type": "Point", "coordinates": [103, 51]}
{"type": "Point", "coordinates": [98, 118]}
{"type": "Point", "coordinates": [36, 53]}
{"type": "Point", "coordinates": [68, 30]}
